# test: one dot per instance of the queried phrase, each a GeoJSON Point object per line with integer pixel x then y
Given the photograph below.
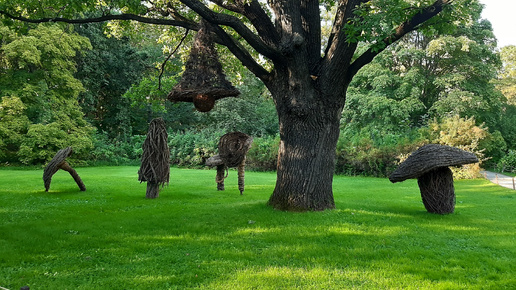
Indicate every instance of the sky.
{"type": "Point", "coordinates": [501, 14]}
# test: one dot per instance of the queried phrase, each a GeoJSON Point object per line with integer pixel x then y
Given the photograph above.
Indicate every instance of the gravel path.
{"type": "Point", "coordinates": [500, 179]}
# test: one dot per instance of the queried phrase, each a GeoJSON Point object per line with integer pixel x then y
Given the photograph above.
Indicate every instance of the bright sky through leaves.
{"type": "Point", "coordinates": [501, 15]}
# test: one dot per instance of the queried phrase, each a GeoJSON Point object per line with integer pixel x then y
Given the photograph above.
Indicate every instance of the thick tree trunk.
{"type": "Point", "coordinates": [306, 159]}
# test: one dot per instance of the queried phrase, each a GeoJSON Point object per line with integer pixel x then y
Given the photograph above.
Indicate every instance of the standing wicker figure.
{"type": "Point", "coordinates": [59, 162]}
{"type": "Point", "coordinates": [155, 167]}
{"type": "Point", "coordinates": [429, 164]}
{"type": "Point", "coordinates": [203, 81]}
{"type": "Point", "coordinates": [233, 148]}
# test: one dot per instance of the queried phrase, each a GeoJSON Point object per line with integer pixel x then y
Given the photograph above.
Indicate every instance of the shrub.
{"type": "Point", "coordinates": [192, 148]}
{"type": "Point", "coordinates": [508, 162]}
{"type": "Point", "coordinates": [43, 141]}
{"type": "Point", "coordinates": [462, 133]}
{"type": "Point", "coordinates": [263, 155]}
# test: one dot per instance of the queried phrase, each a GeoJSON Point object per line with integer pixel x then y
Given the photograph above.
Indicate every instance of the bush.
{"type": "Point", "coordinates": [192, 148]}
{"type": "Point", "coordinates": [370, 152]}
{"type": "Point", "coordinates": [263, 155]}
{"type": "Point", "coordinates": [43, 141]}
{"type": "Point", "coordinates": [117, 152]}
{"type": "Point", "coordinates": [462, 133]}
{"type": "Point", "coordinates": [508, 162]}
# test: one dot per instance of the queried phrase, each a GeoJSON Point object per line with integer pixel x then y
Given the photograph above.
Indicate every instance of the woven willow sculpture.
{"type": "Point", "coordinates": [155, 167]}
{"type": "Point", "coordinates": [429, 164]}
{"type": "Point", "coordinates": [233, 148]}
{"type": "Point", "coordinates": [59, 162]}
{"type": "Point", "coordinates": [203, 81]}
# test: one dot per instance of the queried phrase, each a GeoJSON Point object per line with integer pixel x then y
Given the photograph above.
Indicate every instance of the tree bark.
{"type": "Point", "coordinates": [306, 157]}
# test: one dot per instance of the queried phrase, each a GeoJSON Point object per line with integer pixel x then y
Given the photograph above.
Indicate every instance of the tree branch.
{"type": "Point", "coordinates": [233, 22]}
{"type": "Point", "coordinates": [185, 24]}
{"type": "Point", "coordinates": [242, 54]}
{"type": "Point", "coordinates": [168, 57]}
{"type": "Point", "coordinates": [406, 27]}
{"type": "Point", "coordinates": [253, 11]}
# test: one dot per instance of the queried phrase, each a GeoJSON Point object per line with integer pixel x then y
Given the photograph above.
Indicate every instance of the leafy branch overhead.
{"type": "Point", "coordinates": [250, 21]}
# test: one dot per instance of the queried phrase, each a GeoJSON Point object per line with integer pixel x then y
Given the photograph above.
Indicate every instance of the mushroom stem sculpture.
{"type": "Point", "coordinates": [59, 162]}
{"type": "Point", "coordinates": [155, 167]}
{"type": "Point", "coordinates": [232, 150]}
{"type": "Point", "coordinates": [429, 164]}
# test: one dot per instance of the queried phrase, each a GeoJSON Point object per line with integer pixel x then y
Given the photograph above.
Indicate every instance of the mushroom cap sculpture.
{"type": "Point", "coordinates": [203, 81]}
{"type": "Point", "coordinates": [59, 162]}
{"type": "Point", "coordinates": [233, 148]}
{"type": "Point", "coordinates": [429, 164]}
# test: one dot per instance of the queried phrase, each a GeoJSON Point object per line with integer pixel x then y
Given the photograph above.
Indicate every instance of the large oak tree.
{"type": "Point", "coordinates": [307, 81]}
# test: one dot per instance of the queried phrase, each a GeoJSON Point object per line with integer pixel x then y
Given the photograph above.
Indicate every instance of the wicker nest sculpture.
{"type": "Point", "coordinates": [59, 162]}
{"type": "Point", "coordinates": [155, 167]}
{"type": "Point", "coordinates": [203, 81]}
{"type": "Point", "coordinates": [429, 164]}
{"type": "Point", "coordinates": [233, 148]}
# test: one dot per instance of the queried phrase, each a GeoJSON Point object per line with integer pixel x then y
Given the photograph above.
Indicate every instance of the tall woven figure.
{"type": "Point", "coordinates": [155, 167]}
{"type": "Point", "coordinates": [203, 81]}
{"type": "Point", "coordinates": [233, 148]}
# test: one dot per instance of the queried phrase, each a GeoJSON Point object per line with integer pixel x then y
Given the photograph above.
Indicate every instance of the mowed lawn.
{"type": "Point", "coordinates": [193, 236]}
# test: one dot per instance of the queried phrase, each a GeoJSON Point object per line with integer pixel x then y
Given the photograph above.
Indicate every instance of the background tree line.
{"type": "Point", "coordinates": [79, 85]}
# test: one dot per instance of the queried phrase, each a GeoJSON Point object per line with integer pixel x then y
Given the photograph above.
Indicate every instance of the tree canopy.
{"type": "Point", "coordinates": [282, 43]}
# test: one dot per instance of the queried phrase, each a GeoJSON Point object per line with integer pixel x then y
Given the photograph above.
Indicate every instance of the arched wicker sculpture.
{"type": "Point", "coordinates": [233, 148]}
{"type": "Point", "coordinates": [429, 164]}
{"type": "Point", "coordinates": [155, 167]}
{"type": "Point", "coordinates": [59, 162]}
{"type": "Point", "coordinates": [203, 81]}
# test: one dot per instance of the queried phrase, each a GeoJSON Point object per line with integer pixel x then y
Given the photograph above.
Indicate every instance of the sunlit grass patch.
{"type": "Point", "coordinates": [193, 236]}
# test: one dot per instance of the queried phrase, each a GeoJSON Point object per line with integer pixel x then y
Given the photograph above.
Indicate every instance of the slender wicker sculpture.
{"type": "Point", "coordinates": [429, 164]}
{"type": "Point", "coordinates": [59, 162]}
{"type": "Point", "coordinates": [155, 167]}
{"type": "Point", "coordinates": [233, 148]}
{"type": "Point", "coordinates": [203, 81]}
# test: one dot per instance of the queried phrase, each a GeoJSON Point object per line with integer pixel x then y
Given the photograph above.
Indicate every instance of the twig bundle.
{"type": "Point", "coordinates": [59, 162]}
{"type": "Point", "coordinates": [203, 81]}
{"type": "Point", "coordinates": [155, 165]}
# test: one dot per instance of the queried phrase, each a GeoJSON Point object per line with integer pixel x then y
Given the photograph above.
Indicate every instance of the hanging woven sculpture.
{"type": "Point", "coordinates": [203, 81]}
{"type": "Point", "coordinates": [155, 167]}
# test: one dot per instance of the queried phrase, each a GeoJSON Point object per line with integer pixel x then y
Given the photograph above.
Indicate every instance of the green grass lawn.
{"type": "Point", "coordinates": [192, 236]}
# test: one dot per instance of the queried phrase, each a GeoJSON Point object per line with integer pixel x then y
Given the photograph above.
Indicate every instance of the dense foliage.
{"type": "Point", "coordinates": [99, 88]}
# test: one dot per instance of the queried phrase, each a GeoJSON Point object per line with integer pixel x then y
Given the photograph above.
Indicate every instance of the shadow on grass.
{"type": "Point", "coordinates": [192, 236]}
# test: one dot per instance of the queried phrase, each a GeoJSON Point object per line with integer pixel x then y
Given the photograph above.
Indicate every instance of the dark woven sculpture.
{"type": "Point", "coordinates": [203, 81]}
{"type": "Point", "coordinates": [155, 167]}
{"type": "Point", "coordinates": [429, 164]}
{"type": "Point", "coordinates": [59, 162]}
{"type": "Point", "coordinates": [233, 148]}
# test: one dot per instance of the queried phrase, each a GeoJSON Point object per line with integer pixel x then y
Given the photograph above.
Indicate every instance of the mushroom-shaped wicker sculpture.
{"type": "Point", "coordinates": [429, 164]}
{"type": "Point", "coordinates": [203, 81]}
{"type": "Point", "coordinates": [59, 162]}
{"type": "Point", "coordinates": [155, 167]}
{"type": "Point", "coordinates": [233, 148]}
